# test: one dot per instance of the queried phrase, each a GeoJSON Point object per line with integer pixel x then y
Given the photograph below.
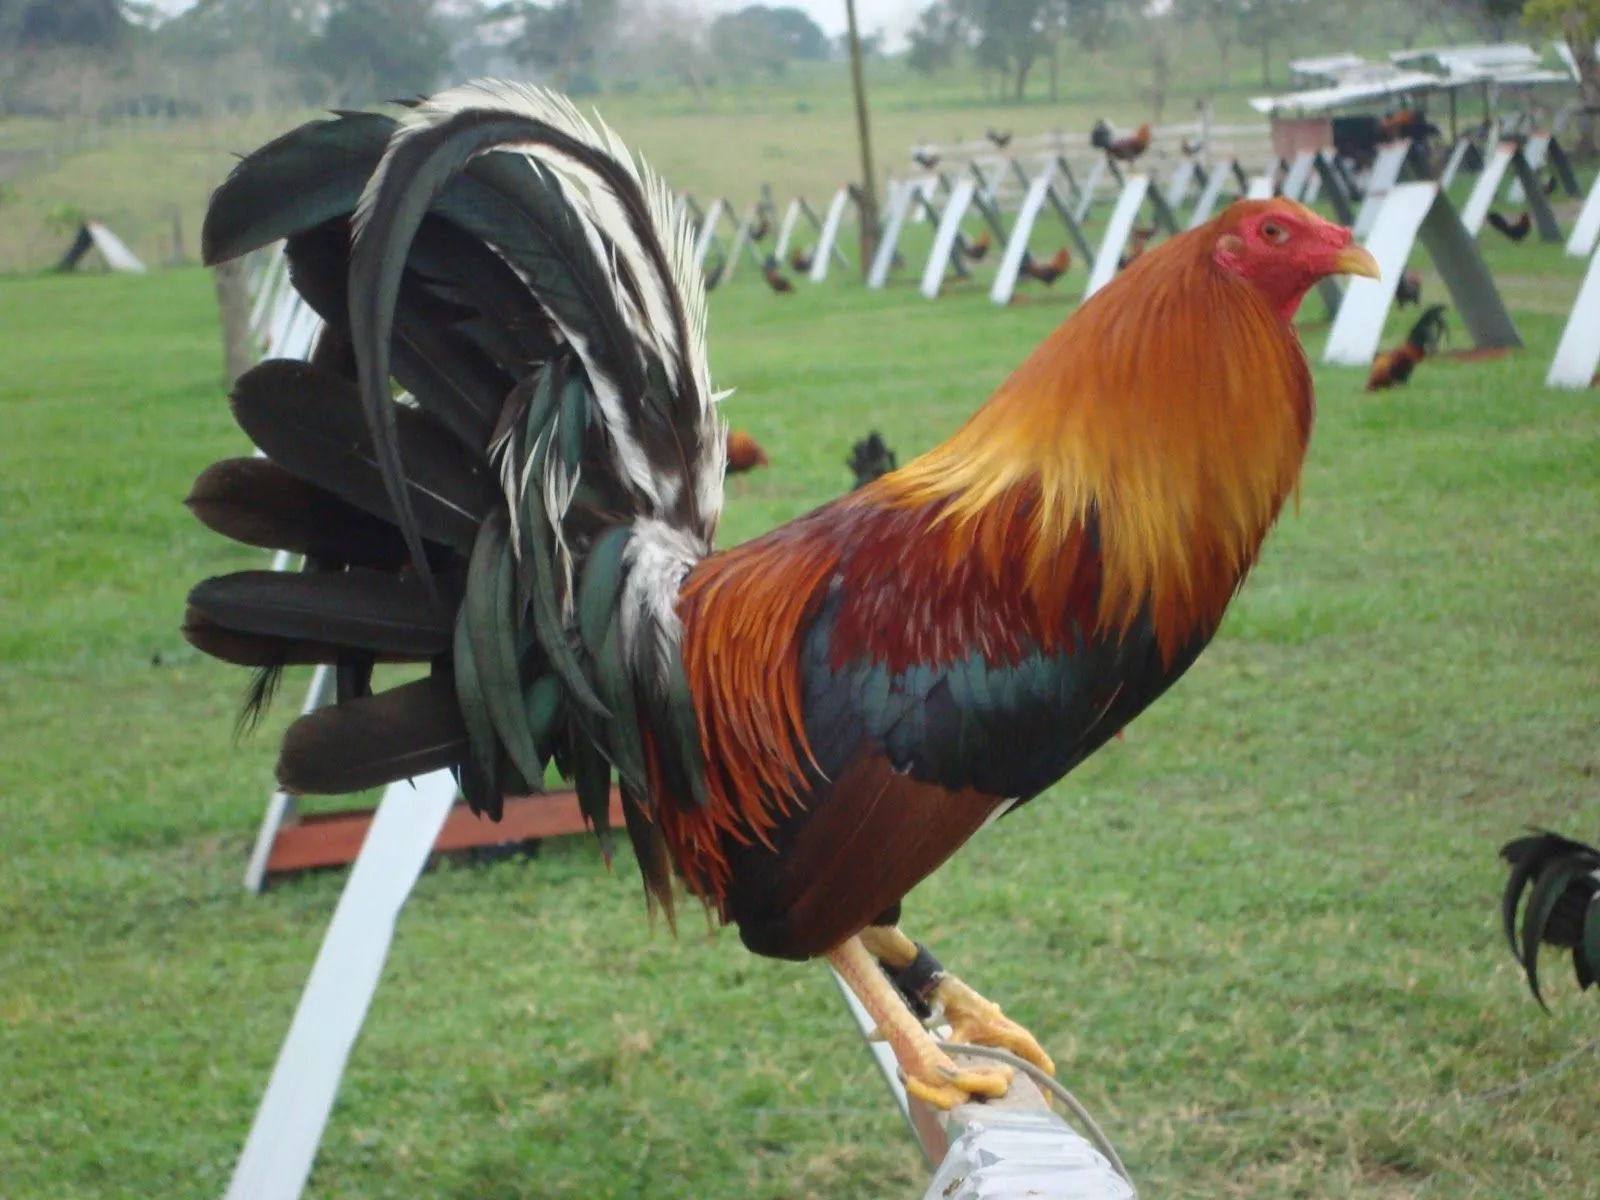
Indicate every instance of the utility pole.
{"type": "Point", "coordinates": [869, 188]}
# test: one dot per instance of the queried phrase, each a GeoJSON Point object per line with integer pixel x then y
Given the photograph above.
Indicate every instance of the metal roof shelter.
{"type": "Point", "coordinates": [1355, 80]}
{"type": "Point", "coordinates": [1380, 83]}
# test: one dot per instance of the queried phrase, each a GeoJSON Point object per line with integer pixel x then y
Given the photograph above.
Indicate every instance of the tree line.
{"type": "Point", "coordinates": [249, 54]}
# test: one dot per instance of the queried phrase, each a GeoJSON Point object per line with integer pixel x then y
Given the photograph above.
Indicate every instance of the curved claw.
{"type": "Point", "coordinates": [954, 1086]}
{"type": "Point", "coordinates": [980, 1022]}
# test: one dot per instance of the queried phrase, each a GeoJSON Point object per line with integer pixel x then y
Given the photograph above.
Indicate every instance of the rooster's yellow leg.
{"type": "Point", "coordinates": [974, 1020]}
{"type": "Point", "coordinates": [930, 1074]}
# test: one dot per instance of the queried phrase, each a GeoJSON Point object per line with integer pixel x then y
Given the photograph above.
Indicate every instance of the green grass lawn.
{"type": "Point", "coordinates": [1260, 935]}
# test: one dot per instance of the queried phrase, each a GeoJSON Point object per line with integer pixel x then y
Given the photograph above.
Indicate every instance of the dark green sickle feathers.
{"type": "Point", "coordinates": [1562, 880]}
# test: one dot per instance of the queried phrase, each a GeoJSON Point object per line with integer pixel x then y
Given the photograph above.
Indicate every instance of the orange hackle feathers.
{"type": "Point", "coordinates": [1095, 414]}
{"type": "Point", "coordinates": [1129, 469]}
{"type": "Point", "coordinates": [741, 611]}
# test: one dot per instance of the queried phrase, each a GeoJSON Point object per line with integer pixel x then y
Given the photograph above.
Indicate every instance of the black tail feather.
{"type": "Point", "coordinates": [310, 422]}
{"type": "Point", "coordinates": [517, 207]}
{"type": "Point", "coordinates": [251, 649]}
{"type": "Point", "coordinates": [256, 502]}
{"type": "Point", "coordinates": [1562, 880]}
{"type": "Point", "coordinates": [401, 733]}
{"type": "Point", "coordinates": [358, 609]}
{"type": "Point", "coordinates": [310, 175]}
{"type": "Point", "coordinates": [452, 379]}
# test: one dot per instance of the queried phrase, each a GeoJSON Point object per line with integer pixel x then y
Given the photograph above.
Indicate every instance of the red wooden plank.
{"type": "Point", "coordinates": [333, 839]}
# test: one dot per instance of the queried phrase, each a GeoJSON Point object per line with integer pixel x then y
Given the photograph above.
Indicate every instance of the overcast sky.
{"type": "Point", "coordinates": [895, 16]}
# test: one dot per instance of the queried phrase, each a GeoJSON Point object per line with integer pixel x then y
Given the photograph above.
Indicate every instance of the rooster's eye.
{"type": "Point", "coordinates": [1275, 233]}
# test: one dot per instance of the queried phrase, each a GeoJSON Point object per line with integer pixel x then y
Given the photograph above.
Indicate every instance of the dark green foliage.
{"type": "Point", "coordinates": [560, 37]}
{"type": "Point", "coordinates": [45, 25]}
{"type": "Point", "coordinates": [381, 49]}
{"type": "Point", "coordinates": [757, 36]}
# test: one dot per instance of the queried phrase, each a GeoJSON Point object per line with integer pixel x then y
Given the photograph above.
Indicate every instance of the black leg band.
{"type": "Point", "coordinates": [917, 980]}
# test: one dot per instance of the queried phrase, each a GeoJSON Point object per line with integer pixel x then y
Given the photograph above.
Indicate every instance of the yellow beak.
{"type": "Point", "coordinates": [1354, 260]}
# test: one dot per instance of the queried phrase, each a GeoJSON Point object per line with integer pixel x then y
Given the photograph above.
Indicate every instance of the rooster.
{"type": "Point", "coordinates": [1000, 140]}
{"type": "Point", "coordinates": [978, 248]}
{"type": "Point", "coordinates": [800, 259]}
{"type": "Point", "coordinates": [745, 453]}
{"type": "Point", "coordinates": [1394, 367]}
{"type": "Point", "coordinates": [805, 726]}
{"type": "Point", "coordinates": [1050, 270]}
{"type": "Point", "coordinates": [776, 279]}
{"type": "Point", "coordinates": [1138, 239]}
{"type": "Point", "coordinates": [870, 458]}
{"type": "Point", "coordinates": [1124, 149]}
{"type": "Point", "coordinates": [1408, 290]}
{"type": "Point", "coordinates": [926, 159]}
{"type": "Point", "coordinates": [1562, 879]}
{"type": "Point", "coordinates": [1515, 230]}
{"type": "Point", "coordinates": [1193, 147]}
{"type": "Point", "coordinates": [762, 227]}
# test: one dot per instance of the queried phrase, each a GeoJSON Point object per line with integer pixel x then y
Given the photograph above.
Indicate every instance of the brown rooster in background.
{"type": "Point", "coordinates": [978, 248]}
{"type": "Point", "coordinates": [1515, 230]}
{"type": "Point", "coordinates": [926, 159]}
{"type": "Point", "coordinates": [800, 259]}
{"type": "Point", "coordinates": [1123, 149]}
{"type": "Point", "coordinates": [1138, 239]}
{"type": "Point", "coordinates": [776, 279]}
{"type": "Point", "coordinates": [1050, 270]}
{"type": "Point", "coordinates": [803, 727]}
{"type": "Point", "coordinates": [1000, 140]}
{"type": "Point", "coordinates": [1395, 366]}
{"type": "Point", "coordinates": [1395, 125]}
{"type": "Point", "coordinates": [745, 453]}
{"type": "Point", "coordinates": [1409, 290]}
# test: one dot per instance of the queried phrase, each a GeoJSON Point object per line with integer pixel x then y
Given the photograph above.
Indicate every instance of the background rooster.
{"type": "Point", "coordinates": [978, 248]}
{"type": "Point", "coordinates": [745, 453]}
{"type": "Point", "coordinates": [1052, 269]}
{"type": "Point", "coordinates": [1000, 139]}
{"type": "Point", "coordinates": [1562, 881]}
{"type": "Point", "coordinates": [805, 726]}
{"type": "Point", "coordinates": [800, 259]}
{"type": "Point", "coordinates": [1124, 149]}
{"type": "Point", "coordinates": [870, 458]}
{"type": "Point", "coordinates": [776, 279]}
{"type": "Point", "coordinates": [1138, 241]}
{"type": "Point", "coordinates": [1515, 230]}
{"type": "Point", "coordinates": [1408, 290]}
{"type": "Point", "coordinates": [1395, 366]}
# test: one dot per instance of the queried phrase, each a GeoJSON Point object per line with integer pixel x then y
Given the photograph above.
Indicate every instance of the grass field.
{"type": "Point", "coordinates": [1260, 934]}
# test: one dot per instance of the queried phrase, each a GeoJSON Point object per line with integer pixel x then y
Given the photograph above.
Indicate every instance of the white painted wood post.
{"type": "Point", "coordinates": [283, 1140]}
{"type": "Point", "coordinates": [1117, 229]}
{"type": "Point", "coordinates": [1005, 281]}
{"type": "Point", "coordinates": [945, 239]}
{"type": "Point", "coordinates": [1578, 355]}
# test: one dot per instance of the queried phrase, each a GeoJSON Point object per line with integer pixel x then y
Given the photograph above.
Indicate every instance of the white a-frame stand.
{"type": "Point", "coordinates": [1413, 212]}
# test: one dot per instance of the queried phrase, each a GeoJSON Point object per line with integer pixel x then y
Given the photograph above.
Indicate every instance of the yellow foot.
{"type": "Point", "coordinates": [944, 1085]}
{"type": "Point", "coordinates": [930, 1074]}
{"type": "Point", "coordinates": [979, 1022]}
